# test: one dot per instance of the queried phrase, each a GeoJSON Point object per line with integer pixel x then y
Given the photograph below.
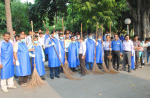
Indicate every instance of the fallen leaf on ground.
{"type": "Point", "coordinates": [100, 94]}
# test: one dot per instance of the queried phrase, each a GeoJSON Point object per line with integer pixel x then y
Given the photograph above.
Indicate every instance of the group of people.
{"type": "Point", "coordinates": [18, 57]}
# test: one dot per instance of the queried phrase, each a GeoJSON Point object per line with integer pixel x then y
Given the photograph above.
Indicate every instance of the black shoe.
{"type": "Point", "coordinates": [43, 78]}
{"type": "Point", "coordinates": [129, 71]}
{"type": "Point", "coordinates": [52, 77]}
{"type": "Point", "coordinates": [57, 76]}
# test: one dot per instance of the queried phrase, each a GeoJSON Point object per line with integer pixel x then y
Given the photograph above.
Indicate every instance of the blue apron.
{"type": "Point", "coordinates": [53, 59]}
{"type": "Point", "coordinates": [7, 60]}
{"type": "Point", "coordinates": [132, 62]}
{"type": "Point", "coordinates": [99, 55]}
{"type": "Point", "coordinates": [62, 52]}
{"type": "Point", "coordinates": [24, 68]}
{"type": "Point", "coordinates": [46, 49]}
{"type": "Point", "coordinates": [78, 46]}
{"type": "Point", "coordinates": [38, 61]}
{"type": "Point", "coordinates": [90, 48]}
{"type": "Point", "coordinates": [72, 55]}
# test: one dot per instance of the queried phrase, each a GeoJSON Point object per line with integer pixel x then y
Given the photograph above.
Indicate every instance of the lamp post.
{"type": "Point", "coordinates": [127, 22]}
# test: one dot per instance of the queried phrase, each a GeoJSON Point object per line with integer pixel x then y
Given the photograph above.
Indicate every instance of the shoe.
{"type": "Point", "coordinates": [43, 78]}
{"type": "Point", "coordinates": [57, 76]}
{"type": "Point", "coordinates": [11, 87]}
{"type": "Point", "coordinates": [5, 90]}
{"type": "Point", "coordinates": [135, 69]}
{"type": "Point", "coordinates": [129, 71]}
{"type": "Point", "coordinates": [52, 77]}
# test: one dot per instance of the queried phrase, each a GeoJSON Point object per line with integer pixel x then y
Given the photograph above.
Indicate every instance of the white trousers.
{"type": "Point", "coordinates": [10, 83]}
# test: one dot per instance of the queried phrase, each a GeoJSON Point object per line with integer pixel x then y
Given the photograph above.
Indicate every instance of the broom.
{"type": "Point", "coordinates": [103, 65]}
{"type": "Point", "coordinates": [35, 78]}
{"type": "Point", "coordinates": [84, 68]}
{"type": "Point", "coordinates": [65, 70]}
{"type": "Point", "coordinates": [111, 69]}
{"type": "Point", "coordinates": [66, 62]}
{"type": "Point", "coordinates": [95, 68]}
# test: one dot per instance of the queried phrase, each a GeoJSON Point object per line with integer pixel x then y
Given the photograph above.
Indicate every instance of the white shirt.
{"type": "Point", "coordinates": [41, 40]}
{"type": "Point", "coordinates": [82, 49]}
{"type": "Point", "coordinates": [128, 46]}
{"type": "Point", "coordinates": [29, 40]}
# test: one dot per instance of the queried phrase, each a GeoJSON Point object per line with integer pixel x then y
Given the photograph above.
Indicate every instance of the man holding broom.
{"type": "Point", "coordinates": [21, 55]}
{"type": "Point", "coordinates": [72, 54]}
{"type": "Point", "coordinates": [99, 52]}
{"type": "Point", "coordinates": [52, 43]}
{"type": "Point", "coordinates": [39, 57]}
{"type": "Point", "coordinates": [61, 40]}
{"type": "Point", "coordinates": [90, 50]}
{"type": "Point", "coordinates": [6, 63]}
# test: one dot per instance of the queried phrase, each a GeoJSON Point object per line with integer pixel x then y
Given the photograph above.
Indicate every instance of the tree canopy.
{"type": "Point", "coordinates": [75, 12]}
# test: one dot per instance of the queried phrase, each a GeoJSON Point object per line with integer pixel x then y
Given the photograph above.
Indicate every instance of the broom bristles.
{"type": "Point", "coordinates": [105, 68]}
{"type": "Point", "coordinates": [68, 75]}
{"type": "Point", "coordinates": [86, 71]}
{"type": "Point", "coordinates": [35, 80]}
{"type": "Point", "coordinates": [68, 69]}
{"type": "Point", "coordinates": [96, 70]}
{"type": "Point", "coordinates": [112, 70]}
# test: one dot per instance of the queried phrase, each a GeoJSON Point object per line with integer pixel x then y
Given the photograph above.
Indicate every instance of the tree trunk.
{"type": "Point", "coordinates": [144, 24]}
{"type": "Point", "coordinates": [138, 17]}
{"type": "Point", "coordinates": [8, 18]}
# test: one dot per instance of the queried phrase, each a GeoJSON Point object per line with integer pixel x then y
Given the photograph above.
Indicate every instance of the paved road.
{"type": "Point", "coordinates": [122, 85]}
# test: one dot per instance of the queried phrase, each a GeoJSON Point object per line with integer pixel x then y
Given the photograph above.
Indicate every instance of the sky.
{"type": "Point", "coordinates": [32, 1]}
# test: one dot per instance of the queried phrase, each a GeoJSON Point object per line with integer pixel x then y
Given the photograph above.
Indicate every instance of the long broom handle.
{"type": "Point", "coordinates": [53, 46]}
{"type": "Point", "coordinates": [96, 37]}
{"type": "Point", "coordinates": [33, 41]}
{"type": "Point", "coordinates": [81, 29]}
{"type": "Point", "coordinates": [63, 36]}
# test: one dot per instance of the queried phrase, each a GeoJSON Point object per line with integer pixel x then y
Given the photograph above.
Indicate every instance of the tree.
{"type": "Point", "coordinates": [92, 11]}
{"type": "Point", "coordinates": [8, 18]}
{"type": "Point", "coordinates": [140, 12]}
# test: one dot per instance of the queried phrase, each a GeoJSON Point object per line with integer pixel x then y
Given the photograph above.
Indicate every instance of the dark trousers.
{"type": "Point", "coordinates": [23, 79]}
{"type": "Point", "coordinates": [82, 64]}
{"type": "Point", "coordinates": [106, 54]}
{"type": "Point", "coordinates": [31, 65]}
{"type": "Point", "coordinates": [51, 71]}
{"type": "Point", "coordinates": [136, 59]}
{"type": "Point", "coordinates": [46, 57]}
{"type": "Point", "coordinates": [99, 65]}
{"type": "Point", "coordinates": [67, 55]}
{"type": "Point", "coordinates": [116, 55]}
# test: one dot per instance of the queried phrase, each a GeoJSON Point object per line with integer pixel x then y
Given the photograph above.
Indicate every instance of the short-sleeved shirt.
{"type": "Point", "coordinates": [137, 44]}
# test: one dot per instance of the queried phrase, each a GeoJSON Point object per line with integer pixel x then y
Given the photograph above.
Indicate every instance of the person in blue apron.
{"type": "Point", "coordinates": [46, 49]}
{"type": "Point", "coordinates": [72, 54]}
{"type": "Point", "coordinates": [21, 55]}
{"type": "Point", "coordinates": [53, 59]}
{"type": "Point", "coordinates": [133, 61]}
{"type": "Point", "coordinates": [99, 53]}
{"type": "Point", "coordinates": [90, 49]}
{"type": "Point", "coordinates": [78, 46]}
{"type": "Point", "coordinates": [61, 41]}
{"type": "Point", "coordinates": [6, 63]}
{"type": "Point", "coordinates": [39, 57]}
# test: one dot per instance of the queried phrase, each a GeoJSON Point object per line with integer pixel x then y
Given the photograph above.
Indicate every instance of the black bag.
{"type": "Point", "coordinates": [148, 49]}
